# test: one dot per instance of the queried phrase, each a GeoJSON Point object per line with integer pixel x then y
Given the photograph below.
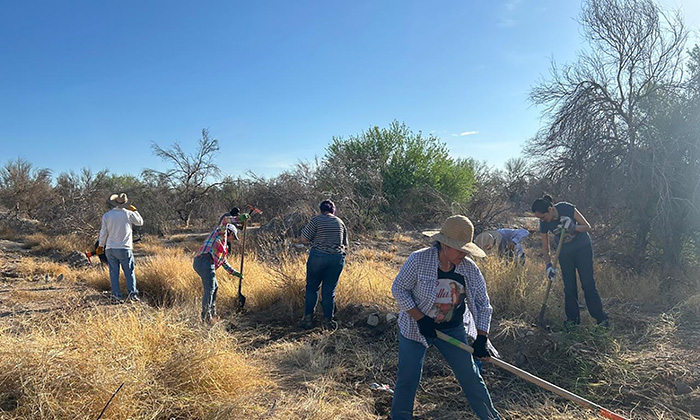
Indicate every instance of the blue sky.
{"type": "Point", "coordinates": [94, 83]}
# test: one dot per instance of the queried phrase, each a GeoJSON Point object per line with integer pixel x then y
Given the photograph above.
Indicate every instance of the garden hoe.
{"type": "Point", "coordinates": [555, 261]}
{"type": "Point", "coordinates": [602, 411]}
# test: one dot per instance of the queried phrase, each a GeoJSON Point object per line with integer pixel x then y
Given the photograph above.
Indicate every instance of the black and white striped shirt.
{"type": "Point", "coordinates": [326, 233]}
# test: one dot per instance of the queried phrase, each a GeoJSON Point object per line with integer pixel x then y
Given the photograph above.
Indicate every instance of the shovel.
{"type": "Point", "coordinates": [555, 261]}
{"type": "Point", "coordinates": [241, 298]}
{"type": "Point", "coordinates": [602, 411]}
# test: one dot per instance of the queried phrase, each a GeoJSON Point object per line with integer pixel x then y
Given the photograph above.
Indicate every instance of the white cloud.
{"type": "Point", "coordinates": [465, 133]}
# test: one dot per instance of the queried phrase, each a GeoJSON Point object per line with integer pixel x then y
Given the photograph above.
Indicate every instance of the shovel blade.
{"type": "Point", "coordinates": [241, 302]}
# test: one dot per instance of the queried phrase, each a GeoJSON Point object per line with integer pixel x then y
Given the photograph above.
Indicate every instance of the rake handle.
{"type": "Point", "coordinates": [535, 380]}
{"type": "Point", "coordinates": [240, 280]}
{"type": "Point", "coordinates": [540, 317]}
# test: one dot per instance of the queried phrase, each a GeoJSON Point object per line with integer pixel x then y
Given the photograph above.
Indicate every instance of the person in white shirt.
{"type": "Point", "coordinates": [116, 240]}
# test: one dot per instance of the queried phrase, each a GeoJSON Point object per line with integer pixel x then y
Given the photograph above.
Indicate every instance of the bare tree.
{"type": "Point", "coordinates": [24, 189]}
{"type": "Point", "coordinates": [597, 137]}
{"type": "Point", "coordinates": [191, 176]}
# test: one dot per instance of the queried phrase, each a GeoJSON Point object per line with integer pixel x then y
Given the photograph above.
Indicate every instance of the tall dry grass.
{"type": "Point", "coordinates": [166, 277]}
{"type": "Point", "coordinates": [68, 364]}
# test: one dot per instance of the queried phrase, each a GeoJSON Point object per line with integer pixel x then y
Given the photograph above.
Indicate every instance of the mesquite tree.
{"type": "Point", "coordinates": [604, 142]}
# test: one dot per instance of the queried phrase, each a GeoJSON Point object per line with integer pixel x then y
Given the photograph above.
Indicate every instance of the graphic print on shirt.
{"type": "Point", "coordinates": [449, 300]}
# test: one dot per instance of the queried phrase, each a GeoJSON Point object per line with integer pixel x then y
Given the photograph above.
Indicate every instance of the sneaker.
{"type": "Point", "coordinates": [307, 322]}
{"type": "Point", "coordinates": [330, 324]}
{"type": "Point", "coordinates": [133, 297]}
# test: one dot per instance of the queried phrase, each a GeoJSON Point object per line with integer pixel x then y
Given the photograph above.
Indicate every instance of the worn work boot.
{"type": "Point", "coordinates": [330, 324]}
{"type": "Point", "coordinates": [307, 322]}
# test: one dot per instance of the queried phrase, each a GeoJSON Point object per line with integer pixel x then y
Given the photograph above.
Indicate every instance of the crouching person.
{"type": "Point", "coordinates": [435, 290]}
{"type": "Point", "coordinates": [211, 256]}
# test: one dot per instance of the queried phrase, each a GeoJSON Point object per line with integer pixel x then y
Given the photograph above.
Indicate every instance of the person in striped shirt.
{"type": "Point", "coordinates": [328, 237]}
{"type": "Point", "coordinates": [440, 288]}
{"type": "Point", "coordinates": [211, 256]}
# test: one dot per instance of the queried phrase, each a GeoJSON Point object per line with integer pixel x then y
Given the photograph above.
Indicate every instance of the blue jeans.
{"type": "Point", "coordinates": [204, 266]}
{"type": "Point", "coordinates": [322, 270]}
{"type": "Point", "coordinates": [125, 258]}
{"type": "Point", "coordinates": [411, 354]}
{"type": "Point", "coordinates": [580, 260]}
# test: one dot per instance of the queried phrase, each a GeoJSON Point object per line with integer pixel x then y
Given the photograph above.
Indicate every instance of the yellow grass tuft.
{"type": "Point", "coordinates": [68, 365]}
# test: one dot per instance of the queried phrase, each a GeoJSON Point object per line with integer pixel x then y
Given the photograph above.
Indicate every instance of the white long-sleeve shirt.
{"type": "Point", "coordinates": [116, 231]}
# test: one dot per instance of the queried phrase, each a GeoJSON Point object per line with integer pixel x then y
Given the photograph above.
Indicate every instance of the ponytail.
{"type": "Point", "coordinates": [542, 205]}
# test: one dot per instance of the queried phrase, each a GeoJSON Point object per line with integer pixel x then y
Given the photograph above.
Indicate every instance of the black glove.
{"type": "Point", "coordinates": [426, 326]}
{"type": "Point", "coordinates": [479, 346]}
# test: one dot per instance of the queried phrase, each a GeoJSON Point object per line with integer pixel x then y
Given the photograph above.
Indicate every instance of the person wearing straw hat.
{"type": "Point", "coordinates": [116, 240]}
{"type": "Point", "coordinates": [441, 288]}
{"type": "Point", "coordinates": [506, 242]}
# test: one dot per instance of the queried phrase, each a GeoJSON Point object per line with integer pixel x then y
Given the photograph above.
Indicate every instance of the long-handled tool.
{"type": "Point", "coordinates": [540, 318]}
{"type": "Point", "coordinates": [535, 380]}
{"type": "Point", "coordinates": [241, 298]}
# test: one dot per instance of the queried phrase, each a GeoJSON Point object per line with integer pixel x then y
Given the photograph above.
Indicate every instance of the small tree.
{"type": "Point", "coordinates": [191, 177]}
{"type": "Point", "coordinates": [24, 189]}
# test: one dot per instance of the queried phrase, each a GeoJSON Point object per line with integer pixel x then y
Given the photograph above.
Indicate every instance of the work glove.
{"type": "Point", "coordinates": [131, 207]}
{"type": "Point", "coordinates": [99, 250]}
{"type": "Point", "coordinates": [238, 274]}
{"type": "Point", "coordinates": [243, 217]}
{"type": "Point", "coordinates": [567, 223]}
{"type": "Point", "coordinates": [551, 272]}
{"type": "Point", "coordinates": [479, 346]}
{"type": "Point", "coordinates": [426, 326]}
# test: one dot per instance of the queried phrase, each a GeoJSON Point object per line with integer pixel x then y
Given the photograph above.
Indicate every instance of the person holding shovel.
{"type": "Point", "coordinates": [440, 289]}
{"type": "Point", "coordinates": [576, 254]}
{"type": "Point", "coordinates": [211, 256]}
{"type": "Point", "coordinates": [328, 237]}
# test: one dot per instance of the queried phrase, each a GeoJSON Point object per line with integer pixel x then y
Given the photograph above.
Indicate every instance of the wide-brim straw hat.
{"type": "Point", "coordinates": [488, 240]}
{"type": "Point", "coordinates": [457, 232]}
{"type": "Point", "coordinates": [118, 199]}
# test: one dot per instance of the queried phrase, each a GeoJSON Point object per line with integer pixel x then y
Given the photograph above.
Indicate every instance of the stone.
{"type": "Point", "coordinates": [373, 320]}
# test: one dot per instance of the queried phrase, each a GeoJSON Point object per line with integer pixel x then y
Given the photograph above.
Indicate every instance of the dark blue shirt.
{"type": "Point", "coordinates": [572, 241]}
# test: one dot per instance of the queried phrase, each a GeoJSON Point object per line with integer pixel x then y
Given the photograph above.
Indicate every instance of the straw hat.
{"type": "Point", "coordinates": [488, 240]}
{"type": "Point", "coordinates": [457, 232]}
{"type": "Point", "coordinates": [118, 199]}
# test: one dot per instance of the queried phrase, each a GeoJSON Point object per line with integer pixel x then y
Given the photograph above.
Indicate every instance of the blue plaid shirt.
{"type": "Point", "coordinates": [415, 284]}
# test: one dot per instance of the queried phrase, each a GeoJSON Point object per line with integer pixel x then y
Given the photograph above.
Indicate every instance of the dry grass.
{"type": "Point", "coordinates": [67, 365]}
{"type": "Point", "coordinates": [42, 242]}
{"type": "Point", "coordinates": [34, 269]}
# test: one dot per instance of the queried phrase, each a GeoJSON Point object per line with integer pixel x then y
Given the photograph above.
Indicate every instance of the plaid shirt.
{"type": "Point", "coordinates": [415, 284]}
{"type": "Point", "coordinates": [215, 245]}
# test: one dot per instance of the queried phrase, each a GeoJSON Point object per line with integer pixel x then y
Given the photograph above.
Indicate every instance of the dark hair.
{"type": "Point", "coordinates": [327, 206]}
{"type": "Point", "coordinates": [437, 245]}
{"type": "Point", "coordinates": [235, 211]}
{"type": "Point", "coordinates": [542, 205]}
